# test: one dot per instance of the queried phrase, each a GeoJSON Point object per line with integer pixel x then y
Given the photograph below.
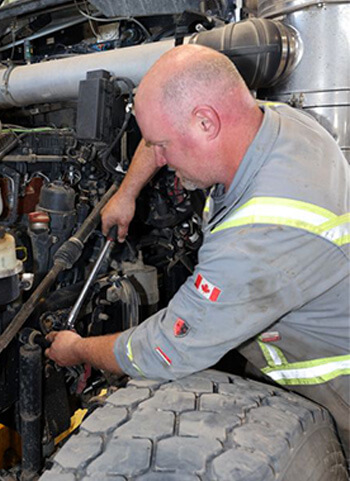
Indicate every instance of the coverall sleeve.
{"type": "Point", "coordinates": [245, 281]}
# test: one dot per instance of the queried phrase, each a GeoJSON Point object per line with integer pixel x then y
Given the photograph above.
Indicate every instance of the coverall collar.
{"type": "Point", "coordinates": [251, 163]}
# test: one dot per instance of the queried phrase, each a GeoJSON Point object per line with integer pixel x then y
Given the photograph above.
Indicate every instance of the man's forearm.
{"type": "Point", "coordinates": [99, 352]}
{"type": "Point", "coordinates": [120, 209]}
{"type": "Point", "coordinates": [141, 170]}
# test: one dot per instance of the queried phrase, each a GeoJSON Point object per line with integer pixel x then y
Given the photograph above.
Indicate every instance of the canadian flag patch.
{"type": "Point", "coordinates": [207, 289]}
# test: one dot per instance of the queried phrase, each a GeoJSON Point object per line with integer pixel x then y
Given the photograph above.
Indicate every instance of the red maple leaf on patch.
{"type": "Point", "coordinates": [205, 288]}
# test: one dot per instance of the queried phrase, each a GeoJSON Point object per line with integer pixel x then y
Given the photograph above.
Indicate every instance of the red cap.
{"type": "Point", "coordinates": [39, 216]}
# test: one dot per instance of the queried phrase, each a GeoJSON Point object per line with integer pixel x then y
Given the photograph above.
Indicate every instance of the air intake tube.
{"type": "Point", "coordinates": [264, 51]}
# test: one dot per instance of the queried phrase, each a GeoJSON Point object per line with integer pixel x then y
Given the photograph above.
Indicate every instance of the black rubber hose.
{"type": "Point", "coordinates": [93, 218]}
{"type": "Point", "coordinates": [264, 51]}
{"type": "Point", "coordinates": [71, 250]}
{"type": "Point", "coordinates": [12, 196]}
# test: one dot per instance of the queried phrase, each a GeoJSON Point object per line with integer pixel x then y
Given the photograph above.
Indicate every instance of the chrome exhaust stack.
{"type": "Point", "coordinates": [320, 83]}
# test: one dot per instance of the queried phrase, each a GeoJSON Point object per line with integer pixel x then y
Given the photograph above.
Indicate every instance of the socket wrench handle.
{"type": "Point", "coordinates": [111, 236]}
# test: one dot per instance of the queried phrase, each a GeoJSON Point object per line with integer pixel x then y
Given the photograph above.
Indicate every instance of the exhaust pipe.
{"type": "Point", "coordinates": [264, 51]}
{"type": "Point", "coordinates": [58, 80]}
{"type": "Point", "coordinates": [321, 82]}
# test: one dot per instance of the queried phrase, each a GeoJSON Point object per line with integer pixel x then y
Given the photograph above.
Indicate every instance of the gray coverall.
{"type": "Point", "coordinates": [272, 274]}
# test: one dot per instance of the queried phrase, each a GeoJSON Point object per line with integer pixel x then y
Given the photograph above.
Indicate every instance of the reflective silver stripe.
{"type": "Point", "coordinates": [280, 212]}
{"type": "Point", "coordinates": [274, 355]}
{"type": "Point", "coordinates": [318, 371]}
{"type": "Point", "coordinates": [314, 371]}
{"type": "Point", "coordinates": [337, 232]}
{"type": "Point", "coordinates": [292, 213]}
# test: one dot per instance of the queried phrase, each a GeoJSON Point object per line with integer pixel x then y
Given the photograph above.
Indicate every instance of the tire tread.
{"type": "Point", "coordinates": [210, 426]}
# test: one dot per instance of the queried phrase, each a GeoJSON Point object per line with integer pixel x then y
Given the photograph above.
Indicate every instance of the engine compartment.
{"type": "Point", "coordinates": [57, 162]}
{"type": "Point", "coordinates": [50, 182]}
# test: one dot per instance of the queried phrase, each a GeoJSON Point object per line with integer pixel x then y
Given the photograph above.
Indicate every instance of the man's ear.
{"type": "Point", "coordinates": [207, 120]}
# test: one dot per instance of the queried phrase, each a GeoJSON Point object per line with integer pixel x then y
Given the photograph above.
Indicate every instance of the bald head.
{"type": "Point", "coordinates": [191, 75]}
{"type": "Point", "coordinates": [188, 75]}
{"type": "Point", "coordinates": [194, 104]}
{"type": "Point", "coordinates": [198, 74]}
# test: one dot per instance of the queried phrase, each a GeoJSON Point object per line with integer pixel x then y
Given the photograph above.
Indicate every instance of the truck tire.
{"type": "Point", "coordinates": [210, 426]}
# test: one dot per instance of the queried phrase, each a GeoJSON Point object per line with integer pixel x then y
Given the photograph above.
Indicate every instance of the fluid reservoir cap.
{"type": "Point", "coordinates": [57, 197]}
{"type": "Point", "coordinates": [9, 264]}
{"type": "Point", "coordinates": [39, 216]}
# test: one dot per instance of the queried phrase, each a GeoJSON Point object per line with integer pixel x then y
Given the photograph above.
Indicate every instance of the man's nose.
{"type": "Point", "coordinates": [159, 156]}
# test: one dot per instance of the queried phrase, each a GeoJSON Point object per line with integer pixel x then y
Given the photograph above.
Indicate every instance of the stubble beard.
{"type": "Point", "coordinates": [186, 183]}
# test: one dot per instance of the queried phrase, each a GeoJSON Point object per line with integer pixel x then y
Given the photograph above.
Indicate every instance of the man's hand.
{"type": "Point", "coordinates": [64, 349]}
{"type": "Point", "coordinates": [118, 211]}
{"type": "Point", "coordinates": [69, 349]}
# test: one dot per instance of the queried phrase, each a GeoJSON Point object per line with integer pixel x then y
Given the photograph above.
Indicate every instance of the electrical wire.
{"type": "Point", "coordinates": [20, 132]}
{"type": "Point", "coordinates": [12, 128]}
{"type": "Point", "coordinates": [112, 19]}
{"type": "Point", "coordinates": [91, 24]}
{"type": "Point", "coordinates": [220, 8]}
{"type": "Point", "coordinates": [28, 131]}
{"type": "Point", "coordinates": [13, 39]}
{"type": "Point", "coordinates": [128, 111]}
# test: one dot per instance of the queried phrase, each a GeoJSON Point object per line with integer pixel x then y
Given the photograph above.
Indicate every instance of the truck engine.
{"type": "Point", "coordinates": [68, 73]}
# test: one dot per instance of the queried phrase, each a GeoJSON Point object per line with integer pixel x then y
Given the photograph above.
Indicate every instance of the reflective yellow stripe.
{"type": "Point", "coordinates": [292, 213]}
{"type": "Point", "coordinates": [131, 357]}
{"type": "Point", "coordinates": [273, 355]}
{"type": "Point", "coordinates": [316, 371]}
{"type": "Point", "coordinates": [207, 204]}
{"type": "Point", "coordinates": [208, 201]}
{"type": "Point", "coordinates": [337, 231]}
{"type": "Point", "coordinates": [270, 103]}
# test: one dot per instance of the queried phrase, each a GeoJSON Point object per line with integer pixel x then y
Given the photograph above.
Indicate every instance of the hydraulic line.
{"type": "Point", "coordinates": [131, 306]}
{"type": "Point", "coordinates": [12, 145]}
{"type": "Point", "coordinates": [64, 259]}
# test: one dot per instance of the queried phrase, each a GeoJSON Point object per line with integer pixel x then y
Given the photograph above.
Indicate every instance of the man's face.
{"type": "Point", "coordinates": [172, 145]}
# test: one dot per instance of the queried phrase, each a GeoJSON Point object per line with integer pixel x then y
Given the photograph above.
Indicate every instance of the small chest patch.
{"type": "Point", "coordinates": [207, 289]}
{"type": "Point", "coordinates": [163, 356]}
{"type": "Point", "coordinates": [180, 328]}
{"type": "Point", "coordinates": [271, 336]}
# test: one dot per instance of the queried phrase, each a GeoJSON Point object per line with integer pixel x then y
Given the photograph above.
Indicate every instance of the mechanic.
{"type": "Point", "coordinates": [273, 272]}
